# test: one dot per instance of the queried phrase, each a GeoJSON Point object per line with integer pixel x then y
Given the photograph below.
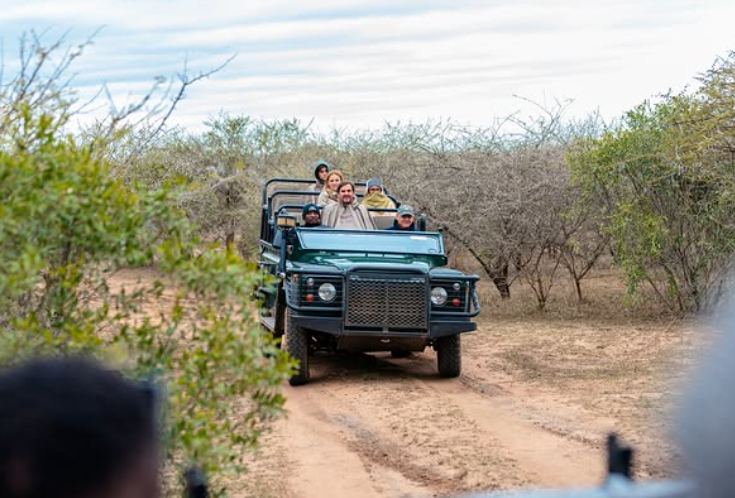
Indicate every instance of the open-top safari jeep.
{"type": "Point", "coordinates": [353, 290]}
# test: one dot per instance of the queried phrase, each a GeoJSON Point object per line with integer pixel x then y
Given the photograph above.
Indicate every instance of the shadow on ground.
{"type": "Point", "coordinates": [341, 367]}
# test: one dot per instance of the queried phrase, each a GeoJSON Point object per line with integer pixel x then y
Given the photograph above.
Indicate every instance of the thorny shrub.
{"type": "Point", "coordinates": [66, 228]}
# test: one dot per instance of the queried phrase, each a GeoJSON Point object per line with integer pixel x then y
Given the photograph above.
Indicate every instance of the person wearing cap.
{"type": "Point", "coordinates": [321, 170]}
{"type": "Point", "coordinates": [375, 196]}
{"type": "Point", "coordinates": [404, 220]}
{"type": "Point", "coordinates": [346, 214]}
{"type": "Point", "coordinates": [312, 217]}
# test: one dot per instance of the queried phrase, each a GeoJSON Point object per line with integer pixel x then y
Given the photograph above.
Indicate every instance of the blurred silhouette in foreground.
{"type": "Point", "coordinates": [73, 429]}
{"type": "Point", "coordinates": [706, 428]}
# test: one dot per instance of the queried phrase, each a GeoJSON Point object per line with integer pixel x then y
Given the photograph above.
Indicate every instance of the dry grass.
{"type": "Point", "coordinates": [626, 376]}
{"type": "Point", "coordinates": [604, 297]}
{"type": "Point", "coordinates": [601, 359]}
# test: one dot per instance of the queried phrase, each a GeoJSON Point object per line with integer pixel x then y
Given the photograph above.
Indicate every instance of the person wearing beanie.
{"type": "Point", "coordinates": [329, 193]}
{"type": "Point", "coordinates": [404, 220]}
{"type": "Point", "coordinates": [311, 216]}
{"type": "Point", "coordinates": [375, 196]}
{"type": "Point", "coordinates": [321, 170]}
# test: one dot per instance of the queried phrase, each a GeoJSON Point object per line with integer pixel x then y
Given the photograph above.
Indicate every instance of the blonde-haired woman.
{"type": "Point", "coordinates": [329, 194]}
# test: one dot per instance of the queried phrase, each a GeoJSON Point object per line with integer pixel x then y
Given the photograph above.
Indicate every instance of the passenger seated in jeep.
{"type": "Point", "coordinates": [375, 197]}
{"type": "Point", "coordinates": [329, 194]}
{"type": "Point", "coordinates": [404, 220]}
{"type": "Point", "coordinates": [321, 170]}
{"type": "Point", "coordinates": [312, 217]}
{"type": "Point", "coordinates": [345, 213]}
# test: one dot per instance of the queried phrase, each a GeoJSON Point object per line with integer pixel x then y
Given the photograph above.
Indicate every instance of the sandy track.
{"type": "Point", "coordinates": [371, 425]}
{"type": "Point", "coordinates": [531, 409]}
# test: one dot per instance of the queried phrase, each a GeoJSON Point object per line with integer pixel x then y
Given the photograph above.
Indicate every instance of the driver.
{"type": "Point", "coordinates": [404, 219]}
{"type": "Point", "coordinates": [345, 213]}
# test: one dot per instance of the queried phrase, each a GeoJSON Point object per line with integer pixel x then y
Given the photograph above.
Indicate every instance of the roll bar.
{"type": "Point", "coordinates": [307, 181]}
{"type": "Point", "coordinates": [269, 202]}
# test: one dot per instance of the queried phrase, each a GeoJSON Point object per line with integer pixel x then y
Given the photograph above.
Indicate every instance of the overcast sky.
{"type": "Point", "coordinates": [354, 63]}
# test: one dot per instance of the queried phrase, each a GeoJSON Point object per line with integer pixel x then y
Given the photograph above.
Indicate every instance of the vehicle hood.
{"type": "Point", "coordinates": [348, 262]}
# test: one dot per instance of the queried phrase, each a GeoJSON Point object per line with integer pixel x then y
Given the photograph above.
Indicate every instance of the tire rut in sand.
{"type": "Point", "coordinates": [545, 458]}
{"type": "Point", "coordinates": [392, 427]}
{"type": "Point", "coordinates": [378, 450]}
{"type": "Point", "coordinates": [322, 462]}
{"type": "Point", "coordinates": [392, 418]}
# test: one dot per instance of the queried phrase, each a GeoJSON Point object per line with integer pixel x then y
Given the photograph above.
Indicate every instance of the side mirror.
{"type": "Point", "coordinates": [286, 221]}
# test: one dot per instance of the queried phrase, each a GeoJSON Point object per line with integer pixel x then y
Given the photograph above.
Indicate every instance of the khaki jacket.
{"type": "Point", "coordinates": [331, 214]}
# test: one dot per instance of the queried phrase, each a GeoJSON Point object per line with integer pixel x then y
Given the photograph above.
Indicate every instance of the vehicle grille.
{"type": "Point", "coordinates": [387, 301]}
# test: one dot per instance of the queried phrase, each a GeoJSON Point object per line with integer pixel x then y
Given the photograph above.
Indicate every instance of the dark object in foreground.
{"type": "Point", "coordinates": [71, 428]}
{"type": "Point", "coordinates": [619, 458]}
{"type": "Point", "coordinates": [195, 483]}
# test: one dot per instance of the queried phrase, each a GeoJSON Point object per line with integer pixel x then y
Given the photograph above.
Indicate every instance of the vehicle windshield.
{"type": "Point", "coordinates": [371, 241]}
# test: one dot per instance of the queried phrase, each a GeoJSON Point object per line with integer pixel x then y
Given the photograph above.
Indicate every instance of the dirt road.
{"type": "Point", "coordinates": [537, 396]}
{"type": "Point", "coordinates": [388, 427]}
{"type": "Point", "coordinates": [375, 426]}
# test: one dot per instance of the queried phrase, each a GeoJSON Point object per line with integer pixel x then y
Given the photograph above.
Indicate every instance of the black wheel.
{"type": "Point", "coordinates": [295, 342]}
{"type": "Point", "coordinates": [400, 353]}
{"type": "Point", "coordinates": [449, 356]}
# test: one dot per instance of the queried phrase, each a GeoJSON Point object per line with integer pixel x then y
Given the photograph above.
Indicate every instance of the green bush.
{"type": "Point", "coordinates": [668, 190]}
{"type": "Point", "coordinates": [67, 228]}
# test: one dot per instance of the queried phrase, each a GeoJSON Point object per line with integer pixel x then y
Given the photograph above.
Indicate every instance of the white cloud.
{"type": "Point", "coordinates": [370, 62]}
{"type": "Point", "coordinates": [156, 14]}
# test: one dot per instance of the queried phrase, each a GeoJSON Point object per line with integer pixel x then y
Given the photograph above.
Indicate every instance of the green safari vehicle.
{"type": "Point", "coordinates": [355, 290]}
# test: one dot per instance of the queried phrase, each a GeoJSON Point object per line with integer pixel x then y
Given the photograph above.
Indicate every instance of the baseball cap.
{"type": "Point", "coordinates": [405, 211]}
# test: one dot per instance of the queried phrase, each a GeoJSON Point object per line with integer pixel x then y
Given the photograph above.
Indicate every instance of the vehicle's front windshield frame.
{"type": "Point", "coordinates": [387, 233]}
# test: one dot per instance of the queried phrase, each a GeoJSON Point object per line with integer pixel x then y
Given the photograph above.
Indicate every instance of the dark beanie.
{"type": "Point", "coordinates": [309, 208]}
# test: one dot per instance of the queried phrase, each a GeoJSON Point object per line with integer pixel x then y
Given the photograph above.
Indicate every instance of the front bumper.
{"type": "Point", "coordinates": [439, 323]}
{"type": "Point", "coordinates": [334, 325]}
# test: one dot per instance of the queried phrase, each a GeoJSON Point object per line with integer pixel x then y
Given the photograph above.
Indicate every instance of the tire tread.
{"type": "Point", "coordinates": [449, 356]}
{"type": "Point", "coordinates": [297, 346]}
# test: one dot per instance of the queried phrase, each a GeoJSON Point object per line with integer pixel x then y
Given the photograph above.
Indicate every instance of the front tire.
{"type": "Point", "coordinates": [449, 356]}
{"type": "Point", "coordinates": [295, 342]}
{"type": "Point", "coordinates": [280, 313]}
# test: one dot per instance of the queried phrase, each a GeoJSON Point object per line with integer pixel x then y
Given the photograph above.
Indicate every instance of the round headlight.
{"type": "Point", "coordinates": [438, 296]}
{"type": "Point", "coordinates": [327, 293]}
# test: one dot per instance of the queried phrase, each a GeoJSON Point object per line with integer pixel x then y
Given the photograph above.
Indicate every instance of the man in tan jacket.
{"type": "Point", "coordinates": [346, 214]}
